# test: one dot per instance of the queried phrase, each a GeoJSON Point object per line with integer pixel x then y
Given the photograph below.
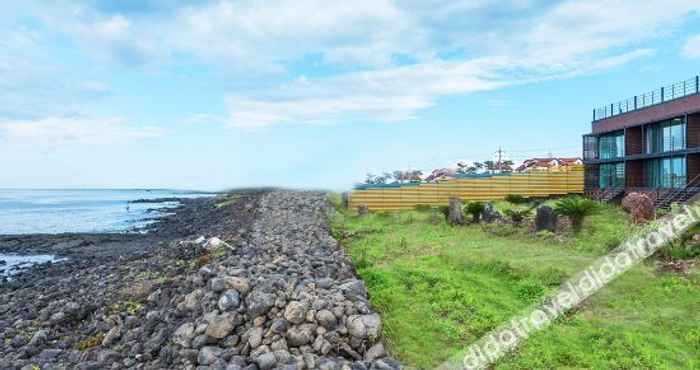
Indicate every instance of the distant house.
{"type": "Point", "coordinates": [441, 174]}
{"type": "Point", "coordinates": [544, 164]}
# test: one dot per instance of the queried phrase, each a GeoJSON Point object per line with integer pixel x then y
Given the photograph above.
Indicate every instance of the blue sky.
{"type": "Point", "coordinates": [211, 94]}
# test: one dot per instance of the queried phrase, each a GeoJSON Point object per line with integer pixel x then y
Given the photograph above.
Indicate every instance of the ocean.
{"type": "Point", "coordinates": [55, 211]}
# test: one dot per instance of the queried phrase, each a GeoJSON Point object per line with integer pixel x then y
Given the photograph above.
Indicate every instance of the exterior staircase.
{"type": "Point", "coordinates": [610, 194]}
{"type": "Point", "coordinates": [680, 196]}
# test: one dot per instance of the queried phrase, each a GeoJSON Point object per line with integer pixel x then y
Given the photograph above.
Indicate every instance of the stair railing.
{"type": "Point", "coordinates": [669, 198]}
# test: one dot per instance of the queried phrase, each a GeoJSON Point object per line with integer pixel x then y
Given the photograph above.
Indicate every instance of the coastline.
{"type": "Point", "coordinates": [252, 280]}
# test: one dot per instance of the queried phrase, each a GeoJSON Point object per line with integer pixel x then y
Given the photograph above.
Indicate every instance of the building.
{"type": "Point", "coordinates": [649, 143]}
{"type": "Point", "coordinates": [547, 164]}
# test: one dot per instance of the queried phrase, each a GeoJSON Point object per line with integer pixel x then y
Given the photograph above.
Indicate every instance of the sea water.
{"type": "Point", "coordinates": [82, 211]}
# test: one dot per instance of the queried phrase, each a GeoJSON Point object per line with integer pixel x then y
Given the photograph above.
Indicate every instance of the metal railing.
{"type": "Point", "coordinates": [654, 97]}
{"type": "Point", "coordinates": [680, 194]}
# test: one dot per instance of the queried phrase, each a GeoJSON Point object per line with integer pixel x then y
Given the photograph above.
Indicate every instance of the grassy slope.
{"type": "Point", "coordinates": [439, 288]}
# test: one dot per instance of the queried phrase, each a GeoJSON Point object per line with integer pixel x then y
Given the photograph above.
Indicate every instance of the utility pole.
{"type": "Point", "coordinates": [500, 156]}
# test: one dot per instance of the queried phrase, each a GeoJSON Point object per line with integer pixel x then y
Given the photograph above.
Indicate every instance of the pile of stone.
{"type": "Point", "coordinates": [276, 293]}
{"type": "Point", "coordinates": [286, 298]}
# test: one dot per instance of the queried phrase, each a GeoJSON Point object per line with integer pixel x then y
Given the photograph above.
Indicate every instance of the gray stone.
{"type": "Point", "coordinates": [255, 337]}
{"type": "Point", "coordinates": [217, 284]}
{"type": "Point", "coordinates": [490, 214]}
{"type": "Point", "coordinates": [221, 326]}
{"type": "Point", "coordinates": [209, 355]}
{"type": "Point", "coordinates": [375, 352]}
{"type": "Point", "coordinates": [230, 300]}
{"type": "Point", "coordinates": [545, 219]}
{"type": "Point", "coordinates": [373, 324]}
{"type": "Point", "coordinates": [39, 338]}
{"type": "Point", "coordinates": [300, 335]}
{"type": "Point", "coordinates": [326, 319]}
{"type": "Point", "coordinates": [295, 312]}
{"type": "Point", "coordinates": [362, 210]}
{"type": "Point", "coordinates": [354, 290]}
{"type": "Point", "coordinates": [193, 299]}
{"type": "Point", "coordinates": [111, 336]}
{"type": "Point", "coordinates": [266, 361]}
{"type": "Point", "coordinates": [107, 356]}
{"type": "Point", "coordinates": [49, 354]}
{"type": "Point", "coordinates": [184, 335]}
{"type": "Point", "coordinates": [356, 326]}
{"type": "Point", "coordinates": [455, 214]}
{"type": "Point", "coordinates": [259, 302]}
{"type": "Point", "coordinates": [242, 285]}
{"type": "Point", "coordinates": [278, 326]}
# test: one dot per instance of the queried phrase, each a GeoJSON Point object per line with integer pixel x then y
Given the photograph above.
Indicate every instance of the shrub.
{"type": "Point", "coordinates": [640, 207]}
{"type": "Point", "coordinates": [422, 207]}
{"type": "Point", "coordinates": [445, 210]}
{"type": "Point", "coordinates": [517, 215]}
{"type": "Point", "coordinates": [475, 209]}
{"type": "Point", "coordinates": [576, 208]}
{"type": "Point", "coordinates": [515, 199]}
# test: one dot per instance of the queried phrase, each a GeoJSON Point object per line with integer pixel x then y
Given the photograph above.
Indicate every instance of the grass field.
{"type": "Point", "coordinates": [439, 288]}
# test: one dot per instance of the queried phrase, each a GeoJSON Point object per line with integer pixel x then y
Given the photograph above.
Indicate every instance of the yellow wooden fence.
{"type": "Point", "coordinates": [565, 180]}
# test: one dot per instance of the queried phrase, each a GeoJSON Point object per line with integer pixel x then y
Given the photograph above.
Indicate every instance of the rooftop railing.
{"type": "Point", "coordinates": [654, 97]}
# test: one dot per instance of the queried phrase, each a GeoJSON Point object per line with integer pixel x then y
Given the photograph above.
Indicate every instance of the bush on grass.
{"type": "Point", "coordinates": [475, 209]}
{"type": "Point", "coordinates": [516, 199]}
{"type": "Point", "coordinates": [576, 208]}
{"type": "Point", "coordinates": [517, 214]}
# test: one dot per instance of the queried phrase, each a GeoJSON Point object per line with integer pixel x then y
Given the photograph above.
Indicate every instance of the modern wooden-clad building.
{"type": "Point", "coordinates": [649, 143]}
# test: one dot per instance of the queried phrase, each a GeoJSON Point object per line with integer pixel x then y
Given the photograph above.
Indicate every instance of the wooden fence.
{"type": "Point", "coordinates": [565, 180]}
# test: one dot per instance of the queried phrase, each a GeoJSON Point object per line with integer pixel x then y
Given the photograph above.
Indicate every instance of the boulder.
{"type": "Point", "coordinates": [545, 219]}
{"type": "Point", "coordinates": [455, 214]}
{"type": "Point", "coordinates": [640, 207]}
{"type": "Point", "coordinates": [362, 210]}
{"type": "Point", "coordinates": [490, 214]}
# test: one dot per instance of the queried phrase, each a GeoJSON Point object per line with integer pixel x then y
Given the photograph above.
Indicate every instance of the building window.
{"type": "Point", "coordinates": [611, 146]}
{"type": "Point", "coordinates": [612, 175]}
{"type": "Point", "coordinates": [666, 136]}
{"type": "Point", "coordinates": [665, 172]}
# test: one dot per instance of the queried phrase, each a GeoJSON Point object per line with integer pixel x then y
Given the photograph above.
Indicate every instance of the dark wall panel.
{"type": "Point", "coordinates": [693, 130]}
{"type": "Point", "coordinates": [634, 173]}
{"type": "Point", "coordinates": [633, 140]}
{"type": "Point", "coordinates": [693, 166]}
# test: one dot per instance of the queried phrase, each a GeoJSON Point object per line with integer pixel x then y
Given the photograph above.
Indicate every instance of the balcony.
{"type": "Point", "coordinates": [655, 97]}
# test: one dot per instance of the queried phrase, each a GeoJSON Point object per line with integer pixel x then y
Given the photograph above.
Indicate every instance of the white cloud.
{"type": "Point", "coordinates": [691, 49]}
{"type": "Point", "coordinates": [59, 131]}
{"type": "Point", "coordinates": [397, 94]}
{"type": "Point", "coordinates": [496, 43]}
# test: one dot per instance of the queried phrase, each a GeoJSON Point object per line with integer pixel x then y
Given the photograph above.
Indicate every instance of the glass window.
{"type": "Point", "coordinates": [612, 175]}
{"type": "Point", "coordinates": [611, 146]}
{"type": "Point", "coordinates": [665, 172]}
{"type": "Point", "coordinates": [666, 136]}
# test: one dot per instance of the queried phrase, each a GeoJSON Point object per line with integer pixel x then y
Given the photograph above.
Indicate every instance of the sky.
{"type": "Point", "coordinates": [216, 94]}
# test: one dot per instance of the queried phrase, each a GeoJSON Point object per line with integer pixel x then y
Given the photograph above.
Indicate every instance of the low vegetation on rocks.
{"type": "Point", "coordinates": [440, 287]}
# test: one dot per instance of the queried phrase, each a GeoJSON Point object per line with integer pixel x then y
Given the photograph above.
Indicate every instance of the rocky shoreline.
{"type": "Point", "coordinates": [256, 284]}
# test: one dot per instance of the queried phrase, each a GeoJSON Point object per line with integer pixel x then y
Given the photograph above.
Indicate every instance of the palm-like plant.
{"type": "Point", "coordinates": [576, 208]}
{"type": "Point", "coordinates": [517, 214]}
{"type": "Point", "coordinates": [475, 209]}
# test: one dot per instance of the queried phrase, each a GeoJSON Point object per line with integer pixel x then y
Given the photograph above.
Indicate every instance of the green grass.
{"type": "Point", "coordinates": [439, 288]}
